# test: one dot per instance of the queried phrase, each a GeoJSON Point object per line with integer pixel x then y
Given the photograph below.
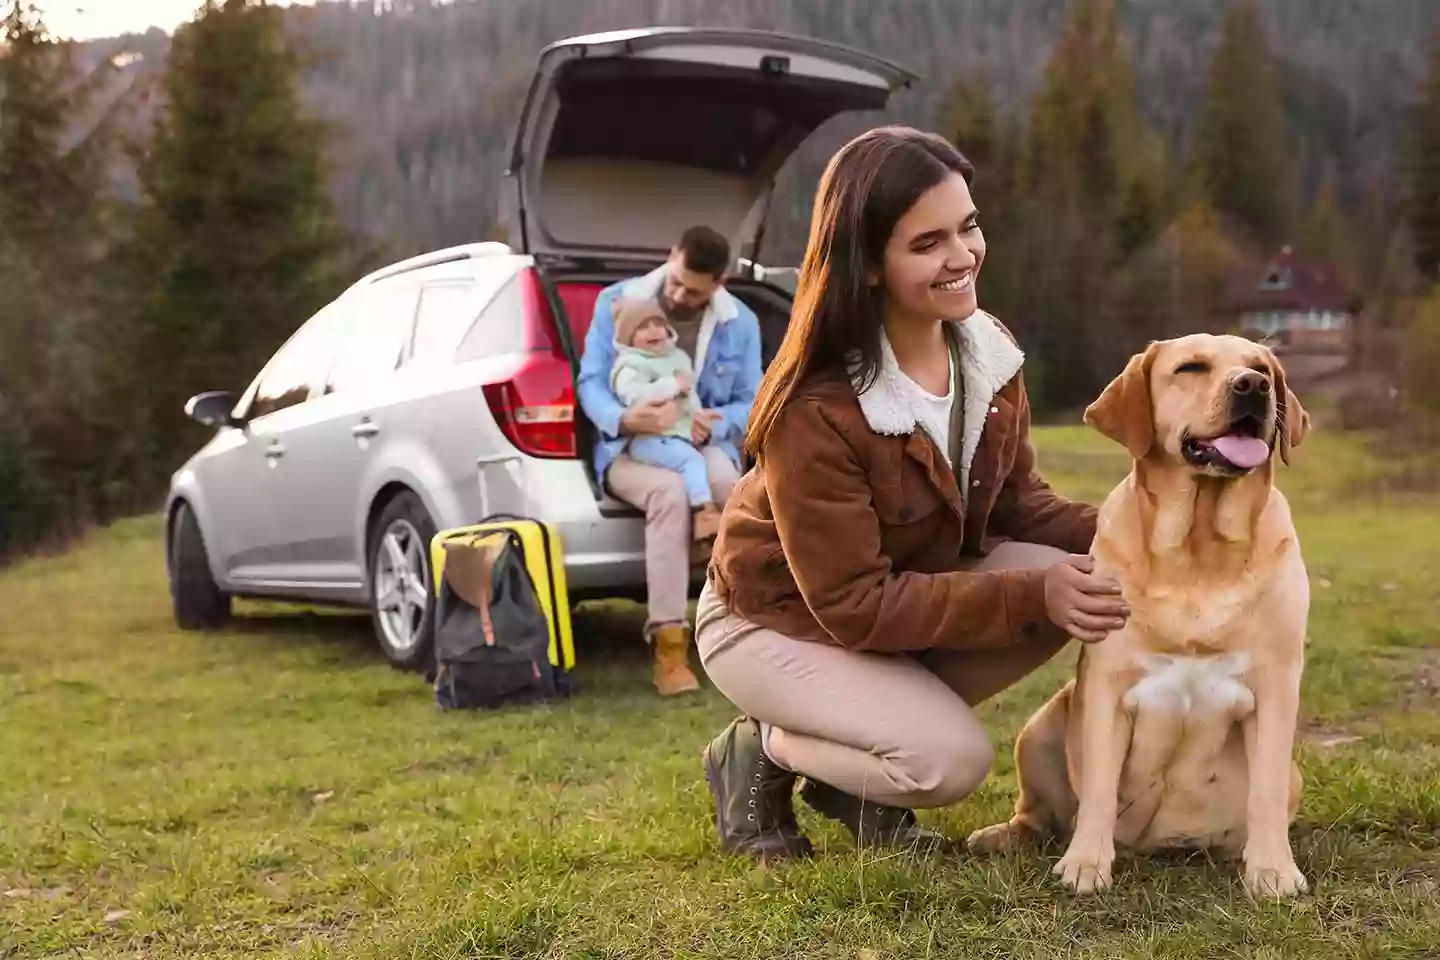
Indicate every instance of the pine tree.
{"type": "Point", "coordinates": [1422, 354]}
{"type": "Point", "coordinates": [1174, 284]}
{"type": "Point", "coordinates": [1424, 170]}
{"type": "Point", "coordinates": [992, 143]}
{"type": "Point", "coordinates": [1239, 156]}
{"type": "Point", "coordinates": [236, 230]}
{"type": "Point", "coordinates": [1090, 189]}
{"type": "Point", "coordinates": [49, 188]}
{"type": "Point", "coordinates": [1326, 235]}
{"type": "Point", "coordinates": [53, 236]}
{"type": "Point", "coordinates": [42, 183]}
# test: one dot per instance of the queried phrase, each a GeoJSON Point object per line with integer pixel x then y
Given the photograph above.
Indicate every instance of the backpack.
{"type": "Point", "coordinates": [492, 634]}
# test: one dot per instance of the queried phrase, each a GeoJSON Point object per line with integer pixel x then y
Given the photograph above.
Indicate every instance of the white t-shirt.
{"type": "Point", "coordinates": [933, 411]}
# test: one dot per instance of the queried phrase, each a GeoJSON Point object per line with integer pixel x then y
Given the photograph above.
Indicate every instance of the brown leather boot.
{"type": "Point", "coordinates": [672, 660]}
{"type": "Point", "coordinates": [871, 824]}
{"type": "Point", "coordinates": [754, 809]}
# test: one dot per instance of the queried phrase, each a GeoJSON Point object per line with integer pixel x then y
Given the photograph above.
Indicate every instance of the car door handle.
{"type": "Point", "coordinates": [364, 429]}
{"type": "Point", "coordinates": [275, 451]}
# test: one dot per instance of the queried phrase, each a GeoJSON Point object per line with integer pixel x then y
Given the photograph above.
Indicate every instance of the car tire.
{"type": "Point", "coordinates": [197, 601]}
{"type": "Point", "coordinates": [404, 620]}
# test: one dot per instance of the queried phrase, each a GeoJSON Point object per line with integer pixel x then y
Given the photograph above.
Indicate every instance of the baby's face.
{"type": "Point", "coordinates": [651, 335]}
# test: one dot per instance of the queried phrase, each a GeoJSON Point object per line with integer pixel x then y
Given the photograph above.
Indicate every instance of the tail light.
{"type": "Point", "coordinates": [534, 405]}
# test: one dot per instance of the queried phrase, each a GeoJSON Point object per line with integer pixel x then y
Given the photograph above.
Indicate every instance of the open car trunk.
{"type": "Point", "coordinates": [626, 139]}
{"type": "Point", "coordinates": [573, 299]}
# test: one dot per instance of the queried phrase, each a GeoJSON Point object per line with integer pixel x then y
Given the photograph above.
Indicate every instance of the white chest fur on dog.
{"type": "Point", "coordinates": [1207, 685]}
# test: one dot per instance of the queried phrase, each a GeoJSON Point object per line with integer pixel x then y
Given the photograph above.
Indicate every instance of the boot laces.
{"type": "Point", "coordinates": [770, 804]}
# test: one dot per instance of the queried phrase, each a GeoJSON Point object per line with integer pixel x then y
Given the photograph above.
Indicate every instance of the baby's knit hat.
{"type": "Point", "coordinates": [631, 313]}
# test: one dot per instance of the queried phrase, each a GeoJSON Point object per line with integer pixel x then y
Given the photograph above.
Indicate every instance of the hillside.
{"type": "Point", "coordinates": [423, 96]}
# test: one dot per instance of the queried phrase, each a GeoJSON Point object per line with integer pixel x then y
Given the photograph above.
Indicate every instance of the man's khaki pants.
{"type": "Point", "coordinates": [661, 495]}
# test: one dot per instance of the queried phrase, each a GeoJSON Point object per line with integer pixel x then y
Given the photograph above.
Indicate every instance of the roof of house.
{"type": "Point", "coordinates": [1287, 282]}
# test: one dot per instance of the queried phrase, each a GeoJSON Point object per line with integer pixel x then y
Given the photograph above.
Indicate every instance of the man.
{"type": "Point", "coordinates": [723, 336]}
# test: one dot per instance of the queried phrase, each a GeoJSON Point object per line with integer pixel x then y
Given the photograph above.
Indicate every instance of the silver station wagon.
{"type": "Point", "coordinates": [441, 389]}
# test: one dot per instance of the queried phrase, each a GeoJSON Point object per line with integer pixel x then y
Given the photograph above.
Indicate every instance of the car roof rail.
{"type": "Point", "coordinates": [464, 251]}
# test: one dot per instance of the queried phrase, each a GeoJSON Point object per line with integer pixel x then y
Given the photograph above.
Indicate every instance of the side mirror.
{"type": "Point", "coordinates": [212, 409]}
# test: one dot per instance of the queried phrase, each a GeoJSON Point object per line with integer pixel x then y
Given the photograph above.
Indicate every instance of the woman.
{"type": "Point", "coordinates": [894, 557]}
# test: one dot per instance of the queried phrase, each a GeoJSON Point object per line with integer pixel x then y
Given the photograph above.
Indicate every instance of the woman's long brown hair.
{"type": "Point", "coordinates": [839, 309]}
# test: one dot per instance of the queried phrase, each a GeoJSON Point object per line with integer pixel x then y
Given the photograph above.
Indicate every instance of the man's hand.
{"type": "Point", "coordinates": [701, 425]}
{"type": "Point", "coordinates": [1087, 607]}
{"type": "Point", "coordinates": [649, 418]}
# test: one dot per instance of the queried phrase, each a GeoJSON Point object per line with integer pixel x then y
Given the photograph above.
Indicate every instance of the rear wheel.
{"type": "Point", "coordinates": [402, 598]}
{"type": "Point", "coordinates": [195, 598]}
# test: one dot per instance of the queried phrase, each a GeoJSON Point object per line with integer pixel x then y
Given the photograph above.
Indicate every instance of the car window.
{"type": "Point", "coordinates": [299, 365]}
{"type": "Point", "coordinates": [499, 329]}
{"type": "Point", "coordinates": [448, 307]}
{"type": "Point", "coordinates": [442, 305]}
{"type": "Point", "coordinates": [376, 333]}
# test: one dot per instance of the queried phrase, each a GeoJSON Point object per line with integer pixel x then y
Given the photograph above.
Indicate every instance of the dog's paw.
{"type": "Point", "coordinates": [998, 838]}
{"type": "Point", "coordinates": [1086, 868]}
{"type": "Point", "coordinates": [1274, 880]}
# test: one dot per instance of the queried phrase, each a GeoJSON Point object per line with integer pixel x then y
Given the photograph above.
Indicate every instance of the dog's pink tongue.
{"type": "Point", "coordinates": [1245, 452]}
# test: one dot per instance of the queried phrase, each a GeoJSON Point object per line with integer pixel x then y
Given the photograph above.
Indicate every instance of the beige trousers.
{"type": "Point", "coordinates": [660, 493]}
{"type": "Point", "coordinates": [894, 728]}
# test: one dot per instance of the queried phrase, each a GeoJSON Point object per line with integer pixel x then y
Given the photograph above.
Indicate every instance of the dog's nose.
{"type": "Point", "coordinates": [1251, 381]}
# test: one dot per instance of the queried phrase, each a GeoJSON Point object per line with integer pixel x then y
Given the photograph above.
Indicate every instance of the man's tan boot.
{"type": "Point", "coordinates": [672, 660]}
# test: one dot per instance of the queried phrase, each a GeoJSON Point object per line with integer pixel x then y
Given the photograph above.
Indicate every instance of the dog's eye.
{"type": "Point", "coordinates": [1194, 366]}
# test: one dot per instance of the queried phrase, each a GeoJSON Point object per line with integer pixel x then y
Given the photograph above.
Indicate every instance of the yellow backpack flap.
{"type": "Point", "coordinates": [545, 561]}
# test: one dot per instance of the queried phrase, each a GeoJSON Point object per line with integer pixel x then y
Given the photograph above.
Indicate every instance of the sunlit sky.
{"type": "Point", "coordinates": [85, 19]}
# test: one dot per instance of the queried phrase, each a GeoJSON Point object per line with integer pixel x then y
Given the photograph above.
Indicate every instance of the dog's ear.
{"type": "Point", "coordinates": [1123, 411]}
{"type": "Point", "coordinates": [1292, 422]}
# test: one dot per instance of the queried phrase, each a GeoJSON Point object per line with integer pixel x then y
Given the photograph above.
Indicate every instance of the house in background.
{"type": "Point", "coordinates": [1296, 307]}
{"type": "Point", "coordinates": [1299, 308]}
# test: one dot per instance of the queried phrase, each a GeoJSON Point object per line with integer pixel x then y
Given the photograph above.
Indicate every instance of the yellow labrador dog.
{"type": "Point", "coordinates": [1178, 729]}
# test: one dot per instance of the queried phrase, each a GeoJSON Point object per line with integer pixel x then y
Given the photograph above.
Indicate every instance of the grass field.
{"type": "Point", "coordinates": [277, 790]}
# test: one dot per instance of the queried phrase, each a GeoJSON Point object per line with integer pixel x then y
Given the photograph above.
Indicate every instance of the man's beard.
{"type": "Point", "coordinates": [680, 313]}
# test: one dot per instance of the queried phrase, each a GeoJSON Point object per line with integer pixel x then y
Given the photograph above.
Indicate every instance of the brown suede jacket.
{"type": "Point", "coordinates": [853, 530]}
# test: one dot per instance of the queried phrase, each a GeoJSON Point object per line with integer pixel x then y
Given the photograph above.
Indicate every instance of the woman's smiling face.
{"type": "Point", "coordinates": [933, 256]}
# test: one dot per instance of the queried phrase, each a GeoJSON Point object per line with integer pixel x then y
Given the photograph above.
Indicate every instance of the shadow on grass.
{"type": "Point", "coordinates": [338, 637]}
{"type": "Point", "coordinates": [605, 631]}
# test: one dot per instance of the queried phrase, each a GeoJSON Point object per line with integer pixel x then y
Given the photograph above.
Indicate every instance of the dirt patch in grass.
{"type": "Point", "coordinates": [1423, 692]}
{"type": "Point", "coordinates": [1328, 737]}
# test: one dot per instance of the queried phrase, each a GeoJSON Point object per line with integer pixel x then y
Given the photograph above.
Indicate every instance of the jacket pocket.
{"type": "Point", "coordinates": [721, 381]}
{"type": "Point", "coordinates": [722, 368]}
{"type": "Point", "coordinates": [908, 500]}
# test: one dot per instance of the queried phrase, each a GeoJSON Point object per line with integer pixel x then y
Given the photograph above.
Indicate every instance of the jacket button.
{"type": "Point", "coordinates": [905, 513]}
{"type": "Point", "coordinates": [974, 483]}
{"type": "Point", "coordinates": [994, 409]}
{"type": "Point", "coordinates": [1030, 628]}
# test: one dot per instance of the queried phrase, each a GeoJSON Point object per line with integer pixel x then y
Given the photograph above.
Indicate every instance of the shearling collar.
{"type": "Point", "coordinates": [722, 305]}
{"type": "Point", "coordinates": [989, 359]}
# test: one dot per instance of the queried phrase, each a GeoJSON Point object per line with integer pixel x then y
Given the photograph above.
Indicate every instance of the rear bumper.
{"type": "Point", "coordinates": [603, 540]}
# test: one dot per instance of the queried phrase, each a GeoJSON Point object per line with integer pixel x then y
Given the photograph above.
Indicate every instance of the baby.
{"type": "Point", "coordinates": [650, 366]}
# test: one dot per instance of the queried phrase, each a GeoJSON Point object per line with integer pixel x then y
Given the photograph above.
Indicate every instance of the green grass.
{"type": "Point", "coordinates": [277, 790]}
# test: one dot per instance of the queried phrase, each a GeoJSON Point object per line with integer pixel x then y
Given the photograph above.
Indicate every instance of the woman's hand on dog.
{"type": "Point", "coordinates": [1087, 607]}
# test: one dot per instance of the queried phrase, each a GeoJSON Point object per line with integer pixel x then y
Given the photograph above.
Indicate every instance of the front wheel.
{"type": "Point", "coordinates": [195, 599]}
{"type": "Point", "coordinates": [402, 598]}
